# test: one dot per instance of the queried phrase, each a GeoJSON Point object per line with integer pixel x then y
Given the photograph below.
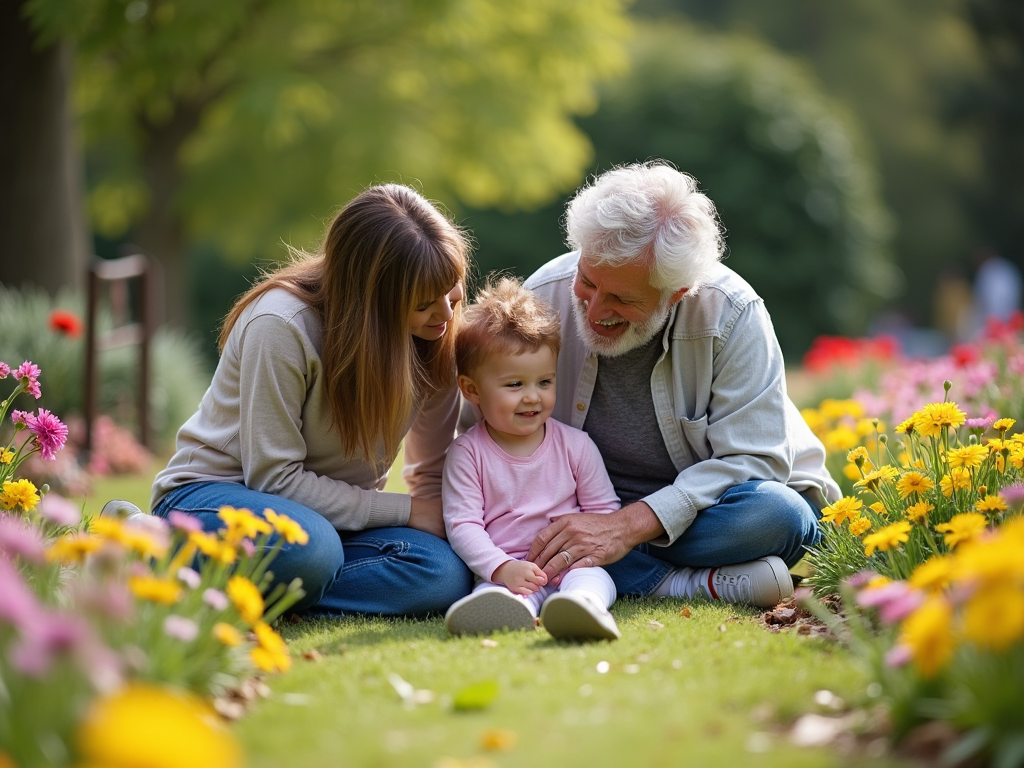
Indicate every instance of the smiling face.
{"type": "Point", "coordinates": [616, 307]}
{"type": "Point", "coordinates": [429, 321]}
{"type": "Point", "coordinates": [516, 393]}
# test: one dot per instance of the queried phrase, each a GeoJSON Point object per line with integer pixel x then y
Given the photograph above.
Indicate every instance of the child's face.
{"type": "Point", "coordinates": [516, 393]}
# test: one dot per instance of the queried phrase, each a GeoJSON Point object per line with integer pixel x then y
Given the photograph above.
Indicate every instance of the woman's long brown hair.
{"type": "Point", "coordinates": [387, 251]}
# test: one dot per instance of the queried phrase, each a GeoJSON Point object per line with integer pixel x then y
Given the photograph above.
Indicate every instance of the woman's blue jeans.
{"type": "Point", "coordinates": [751, 520]}
{"type": "Point", "coordinates": [391, 571]}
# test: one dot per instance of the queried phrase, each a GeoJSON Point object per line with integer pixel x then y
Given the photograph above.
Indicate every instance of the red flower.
{"type": "Point", "coordinates": [62, 321]}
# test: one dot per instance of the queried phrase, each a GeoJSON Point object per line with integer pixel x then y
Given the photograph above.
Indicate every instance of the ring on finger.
{"type": "Point", "coordinates": [567, 556]}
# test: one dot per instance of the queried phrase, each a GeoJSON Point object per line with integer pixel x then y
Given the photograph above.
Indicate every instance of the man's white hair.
{"type": "Point", "coordinates": [648, 212]}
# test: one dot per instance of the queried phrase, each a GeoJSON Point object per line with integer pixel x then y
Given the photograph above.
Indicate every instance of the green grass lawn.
{"type": "Point", "coordinates": [712, 689]}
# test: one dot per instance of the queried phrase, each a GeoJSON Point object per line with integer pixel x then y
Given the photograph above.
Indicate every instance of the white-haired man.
{"type": "Point", "coordinates": [670, 362]}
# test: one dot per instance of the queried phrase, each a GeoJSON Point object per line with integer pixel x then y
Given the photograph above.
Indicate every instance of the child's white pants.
{"type": "Point", "coordinates": [594, 581]}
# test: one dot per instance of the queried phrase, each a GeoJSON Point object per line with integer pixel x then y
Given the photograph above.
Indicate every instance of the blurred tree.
{"type": "Point", "coordinates": [793, 182]}
{"type": "Point", "coordinates": [895, 65]}
{"type": "Point", "coordinates": [995, 108]}
{"type": "Point", "coordinates": [43, 234]}
{"type": "Point", "coordinates": [244, 122]}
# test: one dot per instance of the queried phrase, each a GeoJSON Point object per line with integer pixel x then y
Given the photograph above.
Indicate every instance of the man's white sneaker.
{"type": "Point", "coordinates": [762, 583]}
{"type": "Point", "coordinates": [487, 611]}
{"type": "Point", "coordinates": [570, 617]}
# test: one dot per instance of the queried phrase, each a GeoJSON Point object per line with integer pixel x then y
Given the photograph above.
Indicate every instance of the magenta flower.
{"type": "Point", "coordinates": [17, 539]}
{"type": "Point", "coordinates": [50, 433]}
{"type": "Point", "coordinates": [58, 510]}
{"type": "Point", "coordinates": [181, 628]}
{"type": "Point", "coordinates": [18, 604]}
{"type": "Point", "coordinates": [184, 522]}
{"type": "Point", "coordinates": [20, 418]}
{"type": "Point", "coordinates": [46, 636]}
{"type": "Point", "coordinates": [5, 369]}
{"type": "Point", "coordinates": [28, 374]}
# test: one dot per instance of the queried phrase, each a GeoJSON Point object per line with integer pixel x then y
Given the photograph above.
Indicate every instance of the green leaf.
{"type": "Point", "coordinates": [475, 696]}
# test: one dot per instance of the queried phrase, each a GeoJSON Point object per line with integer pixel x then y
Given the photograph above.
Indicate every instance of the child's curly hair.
{"type": "Point", "coordinates": [505, 318]}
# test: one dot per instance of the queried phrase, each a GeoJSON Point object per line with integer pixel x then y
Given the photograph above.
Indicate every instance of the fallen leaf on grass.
{"type": "Point", "coordinates": [685, 612]}
{"type": "Point", "coordinates": [313, 655]}
{"type": "Point", "coordinates": [498, 740]}
{"type": "Point", "coordinates": [476, 696]}
{"type": "Point", "coordinates": [655, 624]}
{"type": "Point", "coordinates": [409, 695]}
{"type": "Point", "coordinates": [488, 643]}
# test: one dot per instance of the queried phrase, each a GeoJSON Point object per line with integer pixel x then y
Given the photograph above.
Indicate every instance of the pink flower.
{"type": "Point", "coordinates": [248, 547]}
{"type": "Point", "coordinates": [181, 628]}
{"type": "Point", "coordinates": [58, 510]}
{"type": "Point", "coordinates": [50, 433]}
{"type": "Point", "coordinates": [184, 522]}
{"type": "Point", "coordinates": [46, 636]}
{"type": "Point", "coordinates": [18, 604]}
{"type": "Point", "coordinates": [898, 655]}
{"type": "Point", "coordinates": [20, 417]}
{"type": "Point", "coordinates": [5, 369]}
{"type": "Point", "coordinates": [215, 599]}
{"type": "Point", "coordinates": [17, 539]}
{"type": "Point", "coordinates": [189, 577]}
{"type": "Point", "coordinates": [28, 374]}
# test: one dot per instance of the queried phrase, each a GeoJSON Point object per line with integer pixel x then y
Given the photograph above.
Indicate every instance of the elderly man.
{"type": "Point", "coordinates": [670, 362]}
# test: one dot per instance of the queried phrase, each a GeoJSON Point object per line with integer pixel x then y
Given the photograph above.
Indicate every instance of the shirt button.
{"type": "Point", "coordinates": [580, 407]}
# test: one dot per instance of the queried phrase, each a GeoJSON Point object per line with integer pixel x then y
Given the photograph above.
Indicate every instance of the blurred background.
{"type": "Point", "coordinates": [865, 156]}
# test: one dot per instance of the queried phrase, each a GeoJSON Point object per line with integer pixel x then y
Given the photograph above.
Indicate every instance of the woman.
{"type": "Point", "coordinates": [326, 366]}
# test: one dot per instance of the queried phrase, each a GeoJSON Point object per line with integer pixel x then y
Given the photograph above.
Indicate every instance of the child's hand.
{"type": "Point", "coordinates": [520, 576]}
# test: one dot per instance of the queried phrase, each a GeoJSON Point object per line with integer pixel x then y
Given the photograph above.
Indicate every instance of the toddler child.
{"type": "Point", "coordinates": [516, 471]}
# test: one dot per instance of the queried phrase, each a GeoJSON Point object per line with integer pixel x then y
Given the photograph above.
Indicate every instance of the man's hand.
{"type": "Point", "coordinates": [521, 577]}
{"type": "Point", "coordinates": [584, 540]}
{"type": "Point", "coordinates": [425, 515]}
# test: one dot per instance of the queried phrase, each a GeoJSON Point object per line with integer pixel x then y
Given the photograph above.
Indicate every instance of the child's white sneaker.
{"type": "Point", "coordinates": [489, 610]}
{"type": "Point", "coordinates": [573, 617]}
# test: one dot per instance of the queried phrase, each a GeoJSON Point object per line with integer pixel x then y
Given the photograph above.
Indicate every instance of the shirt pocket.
{"type": "Point", "coordinates": [696, 433]}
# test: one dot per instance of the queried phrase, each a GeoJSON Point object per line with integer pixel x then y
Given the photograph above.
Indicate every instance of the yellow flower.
{"type": "Point", "coordinates": [271, 655]}
{"type": "Point", "coordinates": [927, 633]}
{"type": "Point", "coordinates": [968, 456]}
{"type": "Point", "coordinates": [852, 471]}
{"type": "Point", "coordinates": [19, 493]}
{"type": "Point", "coordinates": [994, 617]}
{"type": "Point", "coordinates": [858, 455]}
{"type": "Point", "coordinates": [992, 504]}
{"type": "Point", "coordinates": [859, 525]}
{"type": "Point", "coordinates": [887, 538]}
{"type": "Point", "coordinates": [917, 513]}
{"type": "Point", "coordinates": [872, 479]}
{"type": "Point", "coordinates": [6, 457]}
{"type": "Point", "coordinates": [957, 479]}
{"type": "Point", "coordinates": [837, 409]}
{"type": "Point", "coordinates": [497, 740]}
{"type": "Point", "coordinates": [846, 508]}
{"type": "Point", "coordinates": [108, 528]}
{"type": "Point", "coordinates": [914, 482]}
{"type": "Point", "coordinates": [213, 547]}
{"type": "Point", "coordinates": [933, 574]}
{"type": "Point", "coordinates": [246, 597]}
{"type": "Point", "coordinates": [905, 427]}
{"type": "Point", "coordinates": [227, 634]}
{"type": "Point", "coordinates": [931, 419]}
{"type": "Point", "coordinates": [813, 418]}
{"type": "Point", "coordinates": [962, 527]}
{"type": "Point", "coordinates": [290, 530]}
{"type": "Point", "coordinates": [1003, 425]}
{"type": "Point", "coordinates": [154, 589]}
{"type": "Point", "coordinates": [242, 524]}
{"type": "Point", "coordinates": [145, 725]}
{"type": "Point", "coordinates": [992, 559]}
{"type": "Point", "coordinates": [840, 439]}
{"type": "Point", "coordinates": [73, 548]}
{"type": "Point", "coordinates": [867, 427]}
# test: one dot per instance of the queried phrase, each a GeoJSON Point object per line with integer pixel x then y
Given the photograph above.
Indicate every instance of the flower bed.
{"type": "Point", "coordinates": [116, 635]}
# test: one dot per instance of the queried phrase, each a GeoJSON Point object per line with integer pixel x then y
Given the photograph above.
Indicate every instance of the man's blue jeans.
{"type": "Point", "coordinates": [390, 571]}
{"type": "Point", "coordinates": [751, 520]}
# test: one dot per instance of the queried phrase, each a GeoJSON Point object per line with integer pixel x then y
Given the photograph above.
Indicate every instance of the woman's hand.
{"type": "Point", "coordinates": [425, 515]}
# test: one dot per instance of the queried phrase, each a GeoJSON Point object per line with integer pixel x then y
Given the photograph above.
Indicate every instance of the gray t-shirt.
{"type": "Point", "coordinates": [623, 424]}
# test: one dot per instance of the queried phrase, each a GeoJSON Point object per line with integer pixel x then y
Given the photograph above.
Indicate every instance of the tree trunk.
{"type": "Point", "coordinates": [161, 233]}
{"type": "Point", "coordinates": [44, 239]}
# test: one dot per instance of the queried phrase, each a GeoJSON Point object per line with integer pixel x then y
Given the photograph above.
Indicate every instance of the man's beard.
{"type": "Point", "coordinates": [636, 335]}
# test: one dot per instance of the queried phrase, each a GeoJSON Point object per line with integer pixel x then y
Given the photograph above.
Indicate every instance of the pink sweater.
{"type": "Point", "coordinates": [495, 504]}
